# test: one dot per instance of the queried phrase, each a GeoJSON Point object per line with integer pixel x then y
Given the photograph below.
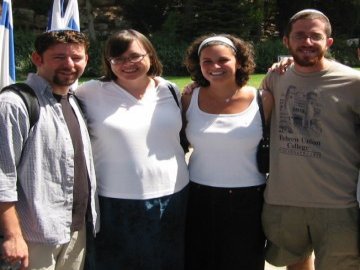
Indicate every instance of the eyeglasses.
{"type": "Point", "coordinates": [312, 37]}
{"type": "Point", "coordinates": [133, 58]}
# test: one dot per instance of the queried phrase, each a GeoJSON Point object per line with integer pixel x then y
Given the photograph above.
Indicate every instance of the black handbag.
{"type": "Point", "coordinates": [263, 148]}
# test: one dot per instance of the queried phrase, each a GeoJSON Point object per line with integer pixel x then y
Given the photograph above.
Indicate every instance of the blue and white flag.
{"type": "Point", "coordinates": [64, 15]}
{"type": "Point", "coordinates": [7, 54]}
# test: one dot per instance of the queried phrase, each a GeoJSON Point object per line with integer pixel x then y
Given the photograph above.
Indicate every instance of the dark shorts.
{"type": "Point", "coordinates": [224, 228]}
{"type": "Point", "coordinates": [140, 234]}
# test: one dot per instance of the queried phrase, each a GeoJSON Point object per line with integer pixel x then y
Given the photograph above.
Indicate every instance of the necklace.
{"type": "Point", "coordinates": [227, 100]}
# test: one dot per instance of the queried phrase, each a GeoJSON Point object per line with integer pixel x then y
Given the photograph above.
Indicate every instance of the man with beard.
{"type": "Point", "coordinates": [310, 197]}
{"type": "Point", "coordinates": [47, 179]}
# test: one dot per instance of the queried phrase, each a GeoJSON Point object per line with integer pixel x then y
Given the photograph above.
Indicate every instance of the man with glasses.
{"type": "Point", "coordinates": [310, 198]}
{"type": "Point", "coordinates": [47, 179]}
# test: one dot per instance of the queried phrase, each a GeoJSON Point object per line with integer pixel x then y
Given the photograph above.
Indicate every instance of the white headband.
{"type": "Point", "coordinates": [221, 39]}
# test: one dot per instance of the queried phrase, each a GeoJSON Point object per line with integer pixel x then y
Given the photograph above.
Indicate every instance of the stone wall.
{"type": "Point", "coordinates": [98, 18]}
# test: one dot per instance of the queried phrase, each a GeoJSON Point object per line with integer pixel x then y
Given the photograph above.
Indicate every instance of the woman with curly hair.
{"type": "Point", "coordinates": [224, 128]}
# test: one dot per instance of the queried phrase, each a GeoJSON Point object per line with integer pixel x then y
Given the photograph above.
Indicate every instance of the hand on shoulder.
{"type": "Point", "coordinates": [189, 88]}
{"type": "Point", "coordinates": [185, 100]}
{"type": "Point", "coordinates": [281, 66]}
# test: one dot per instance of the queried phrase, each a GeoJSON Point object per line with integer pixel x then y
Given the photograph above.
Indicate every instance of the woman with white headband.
{"type": "Point", "coordinates": [224, 128]}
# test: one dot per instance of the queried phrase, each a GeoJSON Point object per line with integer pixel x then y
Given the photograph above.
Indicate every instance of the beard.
{"type": "Point", "coordinates": [306, 61]}
{"type": "Point", "coordinates": [65, 80]}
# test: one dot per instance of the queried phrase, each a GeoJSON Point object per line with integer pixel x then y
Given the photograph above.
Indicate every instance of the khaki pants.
{"type": "Point", "coordinates": [69, 256]}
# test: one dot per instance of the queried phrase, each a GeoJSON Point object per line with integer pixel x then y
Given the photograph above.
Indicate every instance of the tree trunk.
{"type": "Point", "coordinates": [90, 18]}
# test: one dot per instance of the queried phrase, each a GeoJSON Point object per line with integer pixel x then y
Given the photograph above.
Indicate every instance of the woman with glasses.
{"type": "Point", "coordinates": [134, 122]}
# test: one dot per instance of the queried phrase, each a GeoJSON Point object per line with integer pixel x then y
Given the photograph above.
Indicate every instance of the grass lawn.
{"type": "Point", "coordinates": [181, 82]}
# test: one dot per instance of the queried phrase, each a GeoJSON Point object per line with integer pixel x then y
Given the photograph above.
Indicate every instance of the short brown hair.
{"type": "Point", "coordinates": [48, 39]}
{"type": "Point", "coordinates": [309, 14]}
{"type": "Point", "coordinates": [119, 42]}
{"type": "Point", "coordinates": [244, 55]}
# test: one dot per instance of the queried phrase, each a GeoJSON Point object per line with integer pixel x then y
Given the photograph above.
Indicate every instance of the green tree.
{"type": "Point", "coordinates": [242, 17]}
{"type": "Point", "coordinates": [343, 14]}
{"type": "Point", "coordinates": [146, 16]}
{"type": "Point", "coordinates": [269, 22]}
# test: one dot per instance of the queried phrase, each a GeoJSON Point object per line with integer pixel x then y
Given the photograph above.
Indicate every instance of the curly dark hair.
{"type": "Point", "coordinates": [244, 55]}
{"type": "Point", "coordinates": [48, 39]}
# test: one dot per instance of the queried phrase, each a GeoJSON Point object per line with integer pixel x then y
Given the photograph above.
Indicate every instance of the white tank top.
{"type": "Point", "coordinates": [224, 146]}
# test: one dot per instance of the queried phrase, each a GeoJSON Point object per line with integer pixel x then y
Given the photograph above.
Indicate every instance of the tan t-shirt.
{"type": "Point", "coordinates": [315, 138]}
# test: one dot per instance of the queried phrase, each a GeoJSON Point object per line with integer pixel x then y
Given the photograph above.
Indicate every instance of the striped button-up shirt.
{"type": "Point", "coordinates": [37, 165]}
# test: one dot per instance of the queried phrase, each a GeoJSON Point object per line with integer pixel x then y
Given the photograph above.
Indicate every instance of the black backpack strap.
{"type": "Point", "coordinates": [29, 98]}
{"type": "Point", "coordinates": [172, 90]}
{"type": "Point", "coordinates": [183, 140]}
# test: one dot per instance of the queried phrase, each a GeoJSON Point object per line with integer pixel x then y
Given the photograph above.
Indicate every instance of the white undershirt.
{"type": "Point", "coordinates": [224, 146]}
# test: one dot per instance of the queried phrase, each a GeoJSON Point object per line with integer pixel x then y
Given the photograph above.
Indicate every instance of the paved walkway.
{"type": "Point", "coordinates": [270, 267]}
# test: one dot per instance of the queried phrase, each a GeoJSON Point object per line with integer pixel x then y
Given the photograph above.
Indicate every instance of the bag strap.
{"type": "Point", "coordinates": [265, 128]}
{"type": "Point", "coordinates": [172, 90]}
{"type": "Point", "coordinates": [183, 140]}
{"type": "Point", "coordinates": [27, 94]}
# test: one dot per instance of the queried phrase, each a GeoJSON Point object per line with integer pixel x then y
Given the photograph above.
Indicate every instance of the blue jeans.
{"type": "Point", "coordinates": [140, 234]}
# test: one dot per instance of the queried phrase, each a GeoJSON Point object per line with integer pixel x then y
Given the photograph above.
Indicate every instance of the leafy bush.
{"type": "Point", "coordinates": [267, 52]}
{"type": "Point", "coordinates": [24, 45]}
{"type": "Point", "coordinates": [171, 54]}
{"type": "Point", "coordinates": [344, 53]}
{"type": "Point", "coordinates": [94, 66]}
